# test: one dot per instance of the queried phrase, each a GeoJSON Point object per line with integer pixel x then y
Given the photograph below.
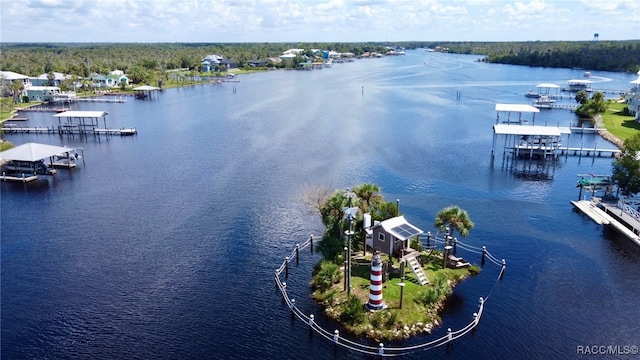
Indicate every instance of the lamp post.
{"type": "Point", "coordinates": [349, 233]}
{"type": "Point", "coordinates": [401, 283]}
{"type": "Point", "coordinates": [346, 269]}
{"type": "Point", "coordinates": [446, 237]}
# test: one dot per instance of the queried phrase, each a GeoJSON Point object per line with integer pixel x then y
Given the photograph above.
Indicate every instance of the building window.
{"type": "Point", "coordinates": [381, 236]}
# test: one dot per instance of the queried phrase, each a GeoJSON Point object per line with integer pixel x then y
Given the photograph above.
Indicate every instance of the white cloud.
{"type": "Point", "coordinates": [612, 6]}
{"type": "Point", "coordinates": [314, 20]}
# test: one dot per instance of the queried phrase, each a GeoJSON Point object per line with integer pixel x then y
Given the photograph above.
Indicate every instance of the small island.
{"type": "Point", "coordinates": [398, 285]}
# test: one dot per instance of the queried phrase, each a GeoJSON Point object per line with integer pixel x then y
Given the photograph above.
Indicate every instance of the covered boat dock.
{"type": "Point", "coordinates": [80, 121]}
{"type": "Point", "coordinates": [530, 139]}
{"type": "Point", "coordinates": [25, 162]}
{"type": "Point", "coordinates": [575, 85]}
{"type": "Point", "coordinates": [543, 89]}
{"type": "Point", "coordinates": [516, 114]}
{"type": "Point", "coordinates": [145, 91]}
{"type": "Point", "coordinates": [516, 122]}
{"type": "Point", "coordinates": [86, 122]}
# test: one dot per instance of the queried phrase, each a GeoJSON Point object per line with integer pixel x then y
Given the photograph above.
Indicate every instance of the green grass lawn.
{"type": "Point", "coordinates": [393, 322]}
{"type": "Point", "coordinates": [620, 126]}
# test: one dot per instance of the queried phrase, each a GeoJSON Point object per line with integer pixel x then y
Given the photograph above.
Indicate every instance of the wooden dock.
{"type": "Point", "coordinates": [94, 100]}
{"type": "Point", "coordinates": [590, 209]}
{"type": "Point", "coordinates": [121, 132]}
{"type": "Point", "coordinates": [556, 106]}
{"type": "Point", "coordinates": [575, 151]}
{"type": "Point", "coordinates": [524, 150]}
{"type": "Point", "coordinates": [22, 178]}
{"type": "Point", "coordinates": [68, 130]}
{"type": "Point", "coordinates": [27, 130]}
{"type": "Point", "coordinates": [39, 109]}
{"type": "Point", "coordinates": [582, 130]}
{"type": "Point", "coordinates": [65, 165]}
{"type": "Point", "coordinates": [611, 215]}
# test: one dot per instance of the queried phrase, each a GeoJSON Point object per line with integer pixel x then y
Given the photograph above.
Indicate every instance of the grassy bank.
{"type": "Point", "coordinates": [421, 305]}
{"type": "Point", "coordinates": [619, 125]}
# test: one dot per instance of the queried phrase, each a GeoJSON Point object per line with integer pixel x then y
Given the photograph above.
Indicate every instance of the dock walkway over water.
{"type": "Point", "coordinates": [620, 216]}
{"type": "Point", "coordinates": [73, 122]}
{"type": "Point", "coordinates": [523, 138]}
{"type": "Point", "coordinates": [119, 99]}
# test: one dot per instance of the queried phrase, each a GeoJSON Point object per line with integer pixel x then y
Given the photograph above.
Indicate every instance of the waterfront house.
{"type": "Point", "coordinates": [209, 62]}
{"type": "Point", "coordinates": [323, 54]}
{"type": "Point", "coordinates": [633, 98]}
{"type": "Point", "coordinates": [98, 80]}
{"type": "Point", "coordinates": [114, 80]}
{"type": "Point", "coordinates": [274, 60]}
{"type": "Point", "coordinates": [305, 65]}
{"type": "Point", "coordinates": [293, 52]}
{"type": "Point", "coordinates": [43, 79]}
{"type": "Point", "coordinates": [228, 64]}
{"type": "Point", "coordinates": [287, 56]}
{"type": "Point", "coordinates": [213, 62]}
{"type": "Point", "coordinates": [257, 63]}
{"type": "Point", "coordinates": [8, 77]}
{"type": "Point", "coordinates": [392, 236]}
{"type": "Point", "coordinates": [42, 93]}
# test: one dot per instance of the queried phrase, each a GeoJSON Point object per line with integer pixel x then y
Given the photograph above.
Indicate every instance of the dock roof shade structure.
{"type": "Point", "coordinates": [145, 88]}
{"type": "Point", "coordinates": [523, 108]}
{"type": "Point", "coordinates": [33, 152]}
{"type": "Point", "coordinates": [517, 110]}
{"type": "Point", "coordinates": [81, 114]}
{"type": "Point", "coordinates": [579, 81]}
{"type": "Point", "coordinates": [521, 130]}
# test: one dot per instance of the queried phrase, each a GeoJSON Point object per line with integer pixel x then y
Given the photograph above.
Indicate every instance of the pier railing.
{"type": "Point", "coordinates": [428, 241]}
{"type": "Point", "coordinates": [628, 209]}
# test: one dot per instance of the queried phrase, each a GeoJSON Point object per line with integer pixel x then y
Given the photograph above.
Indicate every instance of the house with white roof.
{"type": "Point", "coordinates": [293, 51]}
{"type": "Point", "coordinates": [209, 62]}
{"type": "Point", "coordinates": [291, 54]}
{"type": "Point", "coordinates": [43, 79]}
{"type": "Point", "coordinates": [115, 80]}
{"type": "Point", "coordinates": [633, 98]}
{"type": "Point", "coordinates": [392, 236]}
{"type": "Point", "coordinates": [47, 93]}
{"type": "Point", "coordinates": [8, 77]}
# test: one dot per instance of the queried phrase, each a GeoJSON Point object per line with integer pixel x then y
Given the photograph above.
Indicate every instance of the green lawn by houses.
{"type": "Point", "coordinates": [619, 125]}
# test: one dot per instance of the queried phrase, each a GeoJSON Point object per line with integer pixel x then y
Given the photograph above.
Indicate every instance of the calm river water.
{"type": "Point", "coordinates": [164, 245]}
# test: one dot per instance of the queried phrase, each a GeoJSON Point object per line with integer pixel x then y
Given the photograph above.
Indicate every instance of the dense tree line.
{"type": "Point", "coordinates": [600, 55]}
{"type": "Point", "coordinates": [80, 59]}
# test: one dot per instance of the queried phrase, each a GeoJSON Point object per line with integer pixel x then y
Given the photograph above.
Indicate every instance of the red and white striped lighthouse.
{"type": "Point", "coordinates": [375, 289]}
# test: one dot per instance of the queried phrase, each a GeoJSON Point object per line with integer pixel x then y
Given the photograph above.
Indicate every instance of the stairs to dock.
{"type": "Point", "coordinates": [417, 271]}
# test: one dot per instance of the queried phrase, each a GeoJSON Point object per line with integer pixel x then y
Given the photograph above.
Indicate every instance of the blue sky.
{"type": "Point", "coordinates": [316, 20]}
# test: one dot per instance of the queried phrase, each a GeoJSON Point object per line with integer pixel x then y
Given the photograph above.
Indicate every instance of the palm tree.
{"type": "Point", "coordinates": [582, 97]}
{"type": "Point", "coordinates": [454, 218]}
{"type": "Point", "coordinates": [368, 194]}
{"type": "Point", "coordinates": [332, 213]}
{"type": "Point", "coordinates": [16, 88]}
